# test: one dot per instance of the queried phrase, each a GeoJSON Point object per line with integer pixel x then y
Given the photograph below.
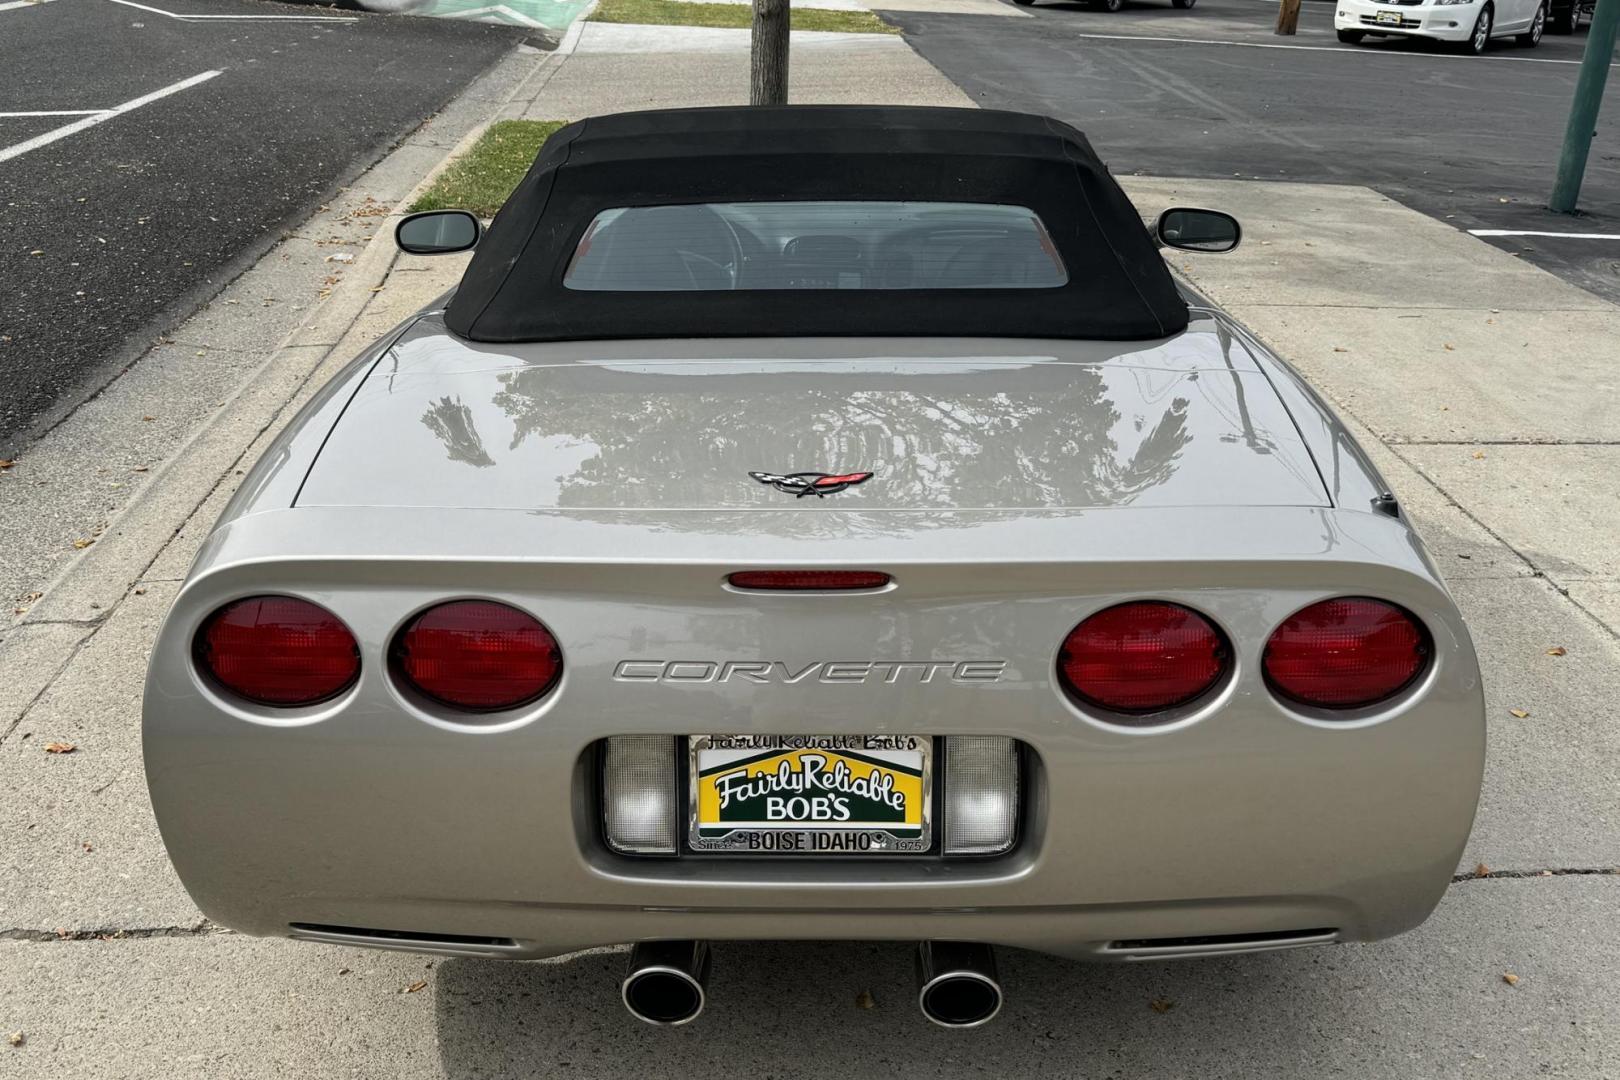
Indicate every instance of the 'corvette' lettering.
{"type": "Point", "coordinates": [763, 672]}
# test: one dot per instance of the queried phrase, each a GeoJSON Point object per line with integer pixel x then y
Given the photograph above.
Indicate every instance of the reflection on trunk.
{"type": "Point", "coordinates": [452, 422]}
{"type": "Point", "coordinates": [933, 440]}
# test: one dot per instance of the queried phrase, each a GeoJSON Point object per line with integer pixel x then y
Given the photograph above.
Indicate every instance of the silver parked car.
{"type": "Point", "coordinates": [816, 523]}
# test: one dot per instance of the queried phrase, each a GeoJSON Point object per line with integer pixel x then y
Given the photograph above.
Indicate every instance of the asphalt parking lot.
{"type": "Point", "coordinates": [232, 120]}
{"type": "Point", "coordinates": [1212, 92]}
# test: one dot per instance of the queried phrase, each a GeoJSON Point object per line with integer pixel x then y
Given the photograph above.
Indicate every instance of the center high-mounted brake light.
{"type": "Point", "coordinates": [808, 580]}
{"type": "Point", "coordinates": [1143, 657]}
{"type": "Point", "coordinates": [478, 656]}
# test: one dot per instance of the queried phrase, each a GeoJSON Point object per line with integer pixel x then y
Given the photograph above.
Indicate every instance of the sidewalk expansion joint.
{"type": "Point", "coordinates": [1413, 307]}
{"type": "Point", "coordinates": [1563, 871]}
{"type": "Point", "coordinates": [1398, 441]}
{"type": "Point", "coordinates": [204, 928]}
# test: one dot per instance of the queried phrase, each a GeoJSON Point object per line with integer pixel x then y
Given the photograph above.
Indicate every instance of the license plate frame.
{"type": "Point", "coordinates": [907, 759]}
{"type": "Point", "coordinates": [1387, 18]}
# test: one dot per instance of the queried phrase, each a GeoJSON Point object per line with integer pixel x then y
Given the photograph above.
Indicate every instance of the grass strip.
{"type": "Point", "coordinates": [482, 179]}
{"type": "Point", "coordinates": [680, 13]}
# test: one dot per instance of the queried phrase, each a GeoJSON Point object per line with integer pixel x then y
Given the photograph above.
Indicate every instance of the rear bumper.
{"type": "Point", "coordinates": [1144, 857]}
{"type": "Point", "coordinates": [1243, 818]}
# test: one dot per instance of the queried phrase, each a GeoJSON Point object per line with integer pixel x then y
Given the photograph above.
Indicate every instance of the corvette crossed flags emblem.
{"type": "Point", "coordinates": [800, 484]}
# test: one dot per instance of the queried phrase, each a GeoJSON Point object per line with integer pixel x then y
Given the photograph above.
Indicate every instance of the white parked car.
{"type": "Point", "coordinates": [1467, 24]}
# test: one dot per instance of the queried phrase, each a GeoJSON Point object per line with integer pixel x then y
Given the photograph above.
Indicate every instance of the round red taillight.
{"type": "Point", "coordinates": [1346, 653]}
{"type": "Point", "coordinates": [478, 655]}
{"type": "Point", "coordinates": [275, 650]}
{"type": "Point", "coordinates": [1142, 657]}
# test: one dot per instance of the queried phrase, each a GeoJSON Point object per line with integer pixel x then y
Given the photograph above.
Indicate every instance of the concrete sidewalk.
{"type": "Point", "coordinates": [1479, 384]}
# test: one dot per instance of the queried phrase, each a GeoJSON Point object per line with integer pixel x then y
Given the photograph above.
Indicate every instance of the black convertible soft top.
{"type": "Point", "coordinates": [1118, 286]}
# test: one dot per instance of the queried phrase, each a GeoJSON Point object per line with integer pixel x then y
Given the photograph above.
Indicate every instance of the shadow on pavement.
{"type": "Point", "coordinates": [790, 1009]}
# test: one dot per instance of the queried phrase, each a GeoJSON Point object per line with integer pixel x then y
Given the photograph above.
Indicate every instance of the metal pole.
{"type": "Point", "coordinates": [1583, 111]}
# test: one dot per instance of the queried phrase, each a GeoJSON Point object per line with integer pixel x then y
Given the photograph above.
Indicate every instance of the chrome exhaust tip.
{"type": "Point", "coordinates": [665, 982]}
{"type": "Point", "coordinates": [957, 985]}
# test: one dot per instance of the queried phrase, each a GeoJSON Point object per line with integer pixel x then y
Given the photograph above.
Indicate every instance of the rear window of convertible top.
{"type": "Point", "coordinates": [712, 247]}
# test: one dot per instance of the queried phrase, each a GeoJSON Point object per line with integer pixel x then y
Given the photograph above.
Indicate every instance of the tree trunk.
{"type": "Point", "coordinates": [1287, 17]}
{"type": "Point", "coordinates": [768, 69]}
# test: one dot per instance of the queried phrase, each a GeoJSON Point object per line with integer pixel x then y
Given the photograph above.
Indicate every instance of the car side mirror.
{"type": "Point", "coordinates": [438, 232]}
{"type": "Point", "coordinates": [1198, 230]}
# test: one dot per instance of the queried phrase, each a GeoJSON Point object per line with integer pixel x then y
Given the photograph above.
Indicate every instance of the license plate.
{"type": "Point", "coordinates": [1393, 17]}
{"type": "Point", "coordinates": [811, 794]}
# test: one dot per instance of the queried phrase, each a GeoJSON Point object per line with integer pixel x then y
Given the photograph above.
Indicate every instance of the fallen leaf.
{"type": "Point", "coordinates": [1479, 455]}
{"type": "Point", "coordinates": [1161, 1005]}
{"type": "Point", "coordinates": [147, 419]}
{"type": "Point", "coordinates": [863, 1000]}
{"type": "Point", "coordinates": [1557, 650]}
{"type": "Point", "coordinates": [1338, 349]}
{"type": "Point", "coordinates": [16, 1038]}
{"type": "Point", "coordinates": [81, 544]}
{"type": "Point", "coordinates": [88, 846]}
{"type": "Point", "coordinates": [140, 592]}
{"type": "Point", "coordinates": [6, 463]}
{"type": "Point", "coordinates": [1520, 713]}
{"type": "Point", "coordinates": [1482, 870]}
{"type": "Point", "coordinates": [1510, 978]}
{"type": "Point", "coordinates": [343, 971]}
{"type": "Point", "coordinates": [60, 748]}
{"type": "Point", "coordinates": [1450, 347]}
{"type": "Point", "coordinates": [415, 986]}
{"type": "Point", "coordinates": [36, 251]}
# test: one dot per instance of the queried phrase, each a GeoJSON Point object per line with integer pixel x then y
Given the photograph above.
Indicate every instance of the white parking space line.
{"type": "Point", "coordinates": [1555, 235]}
{"type": "Point", "coordinates": [10, 5]}
{"type": "Point", "coordinates": [1337, 50]}
{"type": "Point", "coordinates": [186, 17]}
{"type": "Point", "coordinates": [19, 149]}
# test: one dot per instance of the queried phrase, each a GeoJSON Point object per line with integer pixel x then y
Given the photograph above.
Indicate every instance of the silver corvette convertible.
{"type": "Point", "coordinates": [816, 523]}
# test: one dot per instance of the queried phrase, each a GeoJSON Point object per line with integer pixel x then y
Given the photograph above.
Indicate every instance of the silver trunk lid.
{"type": "Point", "coordinates": [942, 424]}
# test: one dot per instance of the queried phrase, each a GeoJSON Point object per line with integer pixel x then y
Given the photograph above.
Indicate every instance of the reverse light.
{"type": "Point", "coordinates": [807, 580]}
{"type": "Point", "coordinates": [638, 794]}
{"type": "Point", "coordinates": [1346, 653]}
{"type": "Point", "coordinates": [981, 794]}
{"type": "Point", "coordinates": [278, 651]}
{"type": "Point", "coordinates": [1143, 657]}
{"type": "Point", "coordinates": [477, 656]}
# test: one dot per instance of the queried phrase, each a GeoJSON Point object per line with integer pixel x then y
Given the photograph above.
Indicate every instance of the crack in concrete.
{"type": "Point", "coordinates": [1396, 441]}
{"type": "Point", "coordinates": [203, 928]}
{"type": "Point", "coordinates": [67, 661]}
{"type": "Point", "coordinates": [1562, 871]}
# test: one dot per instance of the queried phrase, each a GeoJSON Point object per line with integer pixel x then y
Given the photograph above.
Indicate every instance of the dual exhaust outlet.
{"type": "Point", "coordinates": [957, 985]}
